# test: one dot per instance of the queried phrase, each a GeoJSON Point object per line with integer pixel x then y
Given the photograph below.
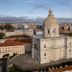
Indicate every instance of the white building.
{"type": "Point", "coordinates": [15, 32]}
{"type": "Point", "coordinates": [11, 47]}
{"type": "Point", "coordinates": [51, 46]}
{"type": "Point", "coordinates": [29, 32]}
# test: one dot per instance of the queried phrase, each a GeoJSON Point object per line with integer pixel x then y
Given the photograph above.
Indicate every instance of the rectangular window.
{"type": "Point", "coordinates": [48, 31]}
{"type": "Point", "coordinates": [70, 43]}
{"type": "Point", "coordinates": [44, 46]}
{"type": "Point", "coordinates": [44, 54]}
{"type": "Point", "coordinates": [69, 50]}
{"type": "Point", "coordinates": [35, 45]}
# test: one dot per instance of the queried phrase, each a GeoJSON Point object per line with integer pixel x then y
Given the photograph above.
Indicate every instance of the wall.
{"type": "Point", "coordinates": [52, 49]}
{"type": "Point", "coordinates": [19, 49]}
{"type": "Point", "coordinates": [69, 47]}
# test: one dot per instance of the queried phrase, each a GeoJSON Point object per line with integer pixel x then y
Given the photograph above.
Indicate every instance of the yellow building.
{"type": "Point", "coordinates": [11, 47]}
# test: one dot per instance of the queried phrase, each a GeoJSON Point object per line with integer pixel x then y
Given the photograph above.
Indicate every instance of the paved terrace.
{"type": "Point", "coordinates": [26, 63]}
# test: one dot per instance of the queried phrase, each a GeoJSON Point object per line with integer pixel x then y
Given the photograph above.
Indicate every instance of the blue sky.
{"type": "Point", "coordinates": [35, 8]}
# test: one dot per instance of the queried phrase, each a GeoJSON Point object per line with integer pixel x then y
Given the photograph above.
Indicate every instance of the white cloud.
{"type": "Point", "coordinates": [29, 1]}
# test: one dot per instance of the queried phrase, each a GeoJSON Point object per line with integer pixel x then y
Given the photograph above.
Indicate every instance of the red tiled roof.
{"type": "Point", "coordinates": [29, 40]}
{"type": "Point", "coordinates": [63, 69]}
{"type": "Point", "coordinates": [11, 43]}
{"type": "Point", "coordinates": [18, 36]}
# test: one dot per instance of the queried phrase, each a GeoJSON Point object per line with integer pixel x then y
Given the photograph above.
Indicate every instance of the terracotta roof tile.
{"type": "Point", "coordinates": [11, 43]}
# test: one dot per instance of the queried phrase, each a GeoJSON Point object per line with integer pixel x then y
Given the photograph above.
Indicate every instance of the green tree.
{"type": "Point", "coordinates": [9, 27]}
{"type": "Point", "coordinates": [2, 35]}
{"type": "Point", "coordinates": [1, 27]}
{"type": "Point", "coordinates": [13, 69]}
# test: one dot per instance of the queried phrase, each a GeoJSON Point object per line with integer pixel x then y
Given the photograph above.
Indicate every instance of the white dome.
{"type": "Point", "coordinates": [50, 20]}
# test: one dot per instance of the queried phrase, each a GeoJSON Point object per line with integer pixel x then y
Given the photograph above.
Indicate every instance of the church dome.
{"type": "Point", "coordinates": [50, 21]}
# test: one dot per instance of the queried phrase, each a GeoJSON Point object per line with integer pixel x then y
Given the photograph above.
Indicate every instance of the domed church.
{"type": "Point", "coordinates": [51, 46]}
{"type": "Point", "coordinates": [51, 26]}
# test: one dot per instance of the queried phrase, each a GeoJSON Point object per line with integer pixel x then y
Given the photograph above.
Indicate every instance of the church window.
{"type": "Point", "coordinates": [48, 31]}
{"type": "Point", "coordinates": [70, 43]}
{"type": "Point", "coordinates": [44, 54]}
{"type": "Point", "coordinates": [44, 46]}
{"type": "Point", "coordinates": [35, 45]}
{"type": "Point", "coordinates": [69, 50]}
{"type": "Point", "coordinates": [54, 30]}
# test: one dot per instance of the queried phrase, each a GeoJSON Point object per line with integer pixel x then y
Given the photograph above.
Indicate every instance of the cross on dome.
{"type": "Point", "coordinates": [50, 12]}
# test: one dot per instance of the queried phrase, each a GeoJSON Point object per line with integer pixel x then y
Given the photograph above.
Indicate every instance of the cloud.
{"type": "Point", "coordinates": [41, 7]}
{"type": "Point", "coordinates": [29, 1]}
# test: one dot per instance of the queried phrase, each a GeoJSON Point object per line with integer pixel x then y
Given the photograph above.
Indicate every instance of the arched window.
{"type": "Point", "coordinates": [48, 30]}
{"type": "Point", "coordinates": [69, 50]}
{"type": "Point", "coordinates": [44, 54]}
{"type": "Point", "coordinates": [44, 46]}
{"type": "Point", "coordinates": [70, 43]}
{"type": "Point", "coordinates": [54, 30]}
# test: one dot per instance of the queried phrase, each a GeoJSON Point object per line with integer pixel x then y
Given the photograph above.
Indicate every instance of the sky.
{"type": "Point", "coordinates": [35, 8]}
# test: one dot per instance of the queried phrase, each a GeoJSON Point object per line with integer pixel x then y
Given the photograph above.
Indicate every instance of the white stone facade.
{"type": "Point", "coordinates": [51, 46]}
{"type": "Point", "coordinates": [52, 49]}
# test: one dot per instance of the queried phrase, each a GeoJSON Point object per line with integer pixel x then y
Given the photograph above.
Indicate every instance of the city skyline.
{"type": "Point", "coordinates": [35, 8]}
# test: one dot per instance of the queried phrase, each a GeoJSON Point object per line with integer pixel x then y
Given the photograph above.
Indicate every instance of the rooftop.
{"type": "Point", "coordinates": [41, 37]}
{"type": "Point", "coordinates": [11, 43]}
{"type": "Point", "coordinates": [15, 42]}
{"type": "Point", "coordinates": [18, 36]}
{"type": "Point", "coordinates": [66, 69]}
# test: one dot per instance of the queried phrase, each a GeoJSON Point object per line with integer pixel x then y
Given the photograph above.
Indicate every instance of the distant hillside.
{"type": "Point", "coordinates": [61, 20]}
{"type": "Point", "coordinates": [24, 19]}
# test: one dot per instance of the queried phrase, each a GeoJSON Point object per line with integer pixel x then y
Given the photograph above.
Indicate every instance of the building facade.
{"type": "Point", "coordinates": [29, 32]}
{"type": "Point", "coordinates": [51, 46]}
{"type": "Point", "coordinates": [11, 47]}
